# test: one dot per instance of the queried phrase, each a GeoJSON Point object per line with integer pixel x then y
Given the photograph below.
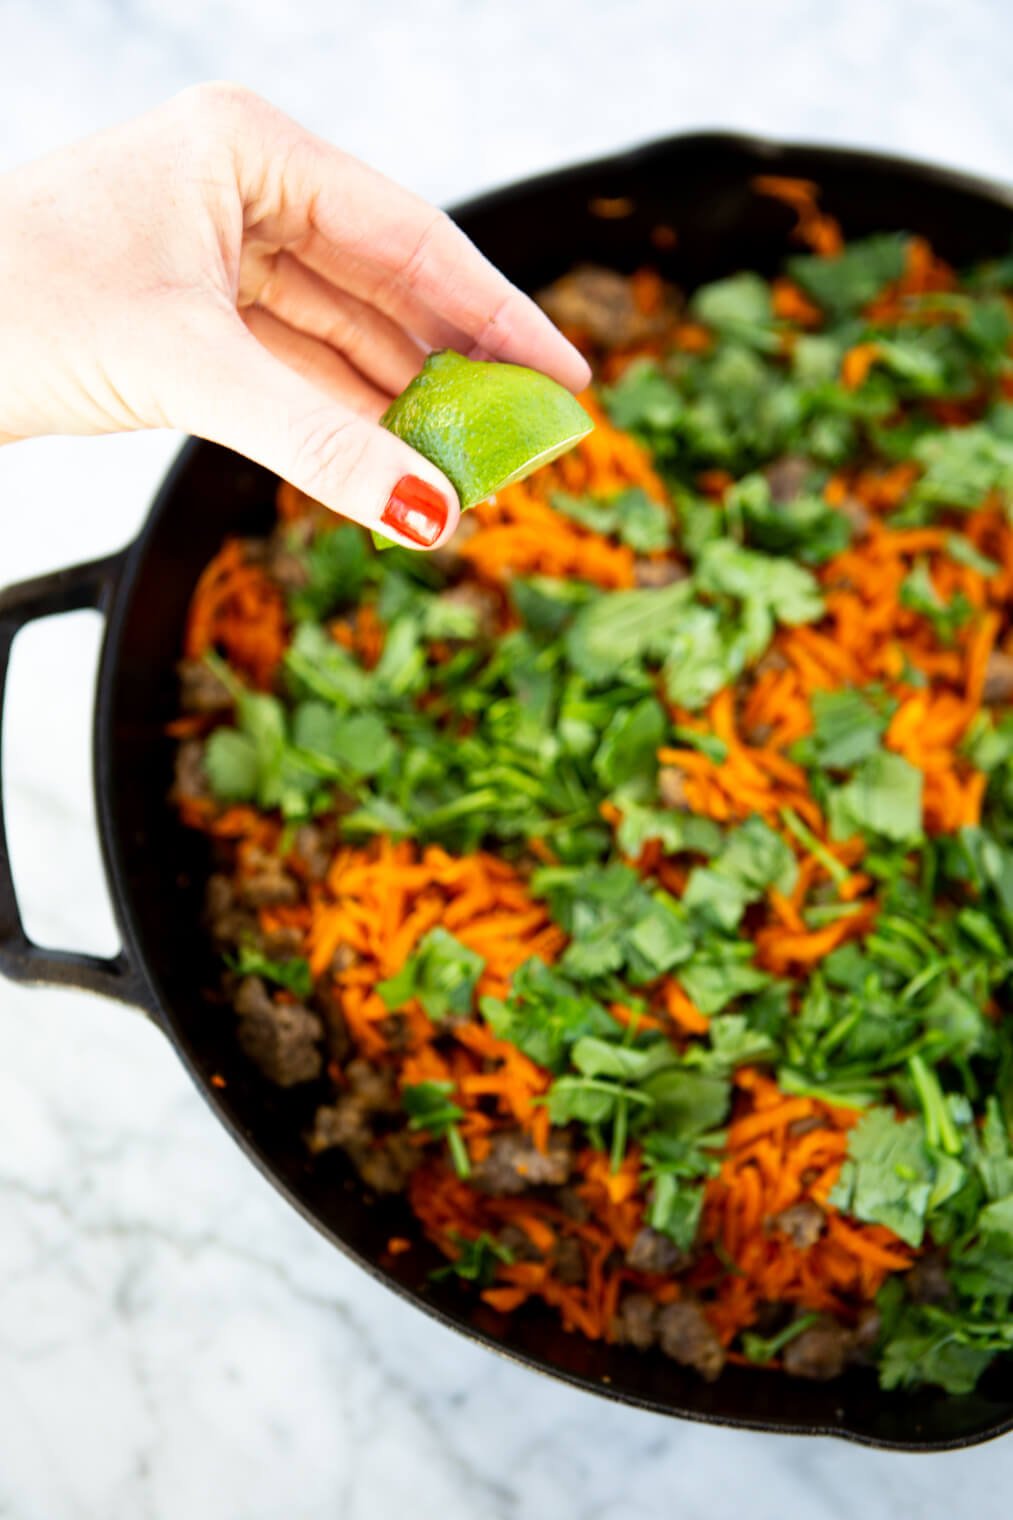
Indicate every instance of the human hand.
{"type": "Point", "coordinates": [213, 267]}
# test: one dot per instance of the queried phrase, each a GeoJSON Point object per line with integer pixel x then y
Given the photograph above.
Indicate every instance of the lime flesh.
{"type": "Point", "coordinates": [485, 425]}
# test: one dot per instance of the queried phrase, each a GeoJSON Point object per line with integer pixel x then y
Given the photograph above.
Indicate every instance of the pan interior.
{"type": "Point", "coordinates": [700, 189]}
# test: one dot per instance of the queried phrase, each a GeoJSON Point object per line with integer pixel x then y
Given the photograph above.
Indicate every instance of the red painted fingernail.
{"type": "Point", "coordinates": [417, 510]}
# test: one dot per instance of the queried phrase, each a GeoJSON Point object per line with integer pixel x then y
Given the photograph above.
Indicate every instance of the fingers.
{"type": "Point", "coordinates": [250, 401]}
{"type": "Point", "coordinates": [377, 288]}
{"type": "Point", "coordinates": [318, 363]}
{"type": "Point", "coordinates": [367, 218]}
{"type": "Point", "coordinates": [377, 347]}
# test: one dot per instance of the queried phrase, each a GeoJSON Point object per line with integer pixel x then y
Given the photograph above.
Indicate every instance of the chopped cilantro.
{"type": "Point", "coordinates": [442, 974]}
{"type": "Point", "coordinates": [293, 974]}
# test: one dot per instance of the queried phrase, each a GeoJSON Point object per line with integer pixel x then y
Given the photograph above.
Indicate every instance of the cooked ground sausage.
{"type": "Point", "coordinates": [283, 943]}
{"type": "Point", "coordinates": [342, 1123]}
{"type": "Point", "coordinates": [327, 1002]}
{"type": "Point", "coordinates": [636, 1323]}
{"type": "Point", "coordinates": [268, 884]}
{"type": "Point", "coordinates": [570, 1266]}
{"type": "Point", "coordinates": [685, 1334]}
{"type": "Point", "coordinates": [519, 1243]}
{"type": "Point", "coordinates": [283, 1039]}
{"type": "Point", "coordinates": [819, 1353]}
{"type": "Point", "coordinates": [672, 786]}
{"type": "Point", "coordinates": [230, 924]}
{"type": "Point", "coordinates": [515, 1164]}
{"type": "Point", "coordinates": [190, 776]}
{"type": "Point", "coordinates": [998, 687]}
{"type": "Point", "coordinates": [653, 1252]}
{"type": "Point", "coordinates": [866, 1332]}
{"type": "Point", "coordinates": [655, 574]}
{"type": "Point", "coordinates": [927, 1282]}
{"type": "Point", "coordinates": [857, 513]}
{"type": "Point", "coordinates": [787, 477]}
{"type": "Point", "coordinates": [313, 849]}
{"type": "Point", "coordinates": [387, 1165]}
{"type": "Point", "coordinates": [200, 690]}
{"type": "Point", "coordinates": [602, 304]}
{"type": "Point", "coordinates": [803, 1223]}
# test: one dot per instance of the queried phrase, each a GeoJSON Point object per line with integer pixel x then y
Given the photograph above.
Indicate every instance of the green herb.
{"type": "Point", "coordinates": [430, 1109]}
{"type": "Point", "coordinates": [947, 618]}
{"type": "Point", "coordinates": [631, 515]}
{"type": "Point", "coordinates": [336, 564]}
{"type": "Point", "coordinates": [888, 1175]}
{"type": "Point", "coordinates": [805, 526]}
{"type": "Point", "coordinates": [442, 974]}
{"type": "Point", "coordinates": [623, 628]}
{"type": "Point", "coordinates": [675, 1172]}
{"type": "Point", "coordinates": [752, 859]}
{"type": "Point", "coordinates": [962, 465]}
{"type": "Point", "coordinates": [293, 974]}
{"type": "Point", "coordinates": [764, 1348]}
{"type": "Point", "coordinates": [883, 798]}
{"type": "Point", "coordinates": [545, 1014]}
{"type": "Point", "coordinates": [847, 726]}
{"type": "Point", "coordinates": [845, 283]}
{"type": "Point", "coordinates": [739, 308]}
{"type": "Point", "coordinates": [476, 1260]}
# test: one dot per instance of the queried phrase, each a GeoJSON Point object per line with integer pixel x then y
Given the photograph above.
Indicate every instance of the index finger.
{"type": "Point", "coordinates": [368, 216]}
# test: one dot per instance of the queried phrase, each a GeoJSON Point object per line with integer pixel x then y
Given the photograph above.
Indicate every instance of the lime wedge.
{"type": "Point", "coordinates": [485, 425]}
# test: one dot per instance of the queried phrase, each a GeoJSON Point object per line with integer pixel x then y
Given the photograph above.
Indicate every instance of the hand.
{"type": "Point", "coordinates": [213, 267]}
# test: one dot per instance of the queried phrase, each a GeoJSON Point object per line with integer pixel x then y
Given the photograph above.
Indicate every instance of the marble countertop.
{"type": "Point", "coordinates": [173, 1340]}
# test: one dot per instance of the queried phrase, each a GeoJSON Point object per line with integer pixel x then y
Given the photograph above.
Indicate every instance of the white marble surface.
{"type": "Point", "coordinates": [173, 1341]}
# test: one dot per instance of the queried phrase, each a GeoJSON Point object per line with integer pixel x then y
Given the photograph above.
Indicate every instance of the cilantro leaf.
{"type": "Point", "coordinates": [849, 280]}
{"type": "Point", "coordinates": [321, 668]}
{"type": "Point", "coordinates": [429, 1108]}
{"type": "Point", "coordinates": [738, 307]}
{"type": "Point", "coordinates": [806, 526]}
{"type": "Point", "coordinates": [621, 628]}
{"type": "Point", "coordinates": [719, 971]}
{"type": "Point", "coordinates": [631, 516]}
{"type": "Point", "coordinates": [782, 591]}
{"type": "Point", "coordinates": [442, 974]}
{"type": "Point", "coordinates": [644, 400]}
{"type": "Point", "coordinates": [356, 744]}
{"type": "Point", "coordinates": [752, 858]}
{"type": "Point", "coordinates": [888, 1175]}
{"type": "Point", "coordinates": [883, 797]}
{"type": "Point", "coordinates": [848, 725]}
{"type": "Point", "coordinates": [545, 1014]}
{"type": "Point", "coordinates": [293, 974]}
{"type": "Point", "coordinates": [927, 1344]}
{"type": "Point", "coordinates": [675, 831]}
{"type": "Point", "coordinates": [919, 593]}
{"type": "Point", "coordinates": [686, 1101]}
{"type": "Point", "coordinates": [628, 748]}
{"type": "Point", "coordinates": [336, 566]}
{"type": "Point", "coordinates": [706, 652]}
{"type": "Point", "coordinates": [962, 465]}
{"type": "Point", "coordinates": [232, 765]}
{"type": "Point", "coordinates": [476, 1260]}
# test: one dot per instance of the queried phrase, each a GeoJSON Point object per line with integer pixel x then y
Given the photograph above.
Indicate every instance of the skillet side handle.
{"type": "Point", "coordinates": [87, 586]}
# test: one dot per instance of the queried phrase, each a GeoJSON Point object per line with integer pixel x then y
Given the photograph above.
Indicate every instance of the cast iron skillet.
{"type": "Point", "coordinates": [604, 211]}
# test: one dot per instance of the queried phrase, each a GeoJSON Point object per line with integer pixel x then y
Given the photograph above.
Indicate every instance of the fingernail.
{"type": "Point", "coordinates": [417, 510]}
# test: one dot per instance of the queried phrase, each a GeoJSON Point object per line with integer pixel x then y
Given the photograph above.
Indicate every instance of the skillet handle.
{"type": "Point", "coordinates": [79, 587]}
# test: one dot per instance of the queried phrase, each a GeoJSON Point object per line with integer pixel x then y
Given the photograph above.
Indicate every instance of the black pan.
{"type": "Point", "coordinates": [605, 211]}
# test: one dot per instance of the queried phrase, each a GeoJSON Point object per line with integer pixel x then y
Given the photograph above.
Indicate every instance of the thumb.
{"type": "Point", "coordinates": [241, 396]}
